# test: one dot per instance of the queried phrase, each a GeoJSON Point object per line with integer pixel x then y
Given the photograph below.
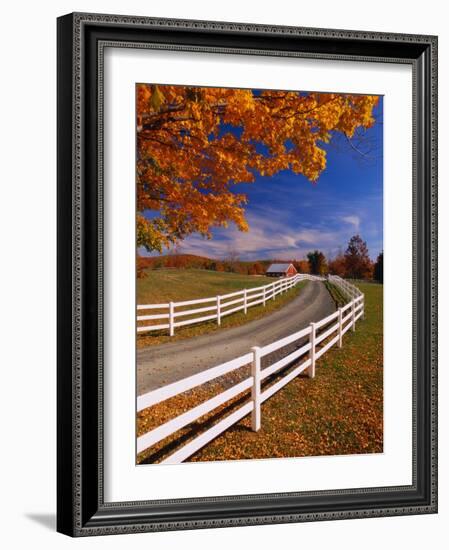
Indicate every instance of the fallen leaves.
{"type": "Point", "coordinates": [339, 412]}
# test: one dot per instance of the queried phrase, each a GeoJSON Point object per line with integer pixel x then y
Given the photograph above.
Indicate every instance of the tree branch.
{"type": "Point", "coordinates": [364, 155]}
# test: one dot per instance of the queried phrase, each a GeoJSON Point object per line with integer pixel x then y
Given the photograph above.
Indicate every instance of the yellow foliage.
{"type": "Point", "coordinates": [187, 164]}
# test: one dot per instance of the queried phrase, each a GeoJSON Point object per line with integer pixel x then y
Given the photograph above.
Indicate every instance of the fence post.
{"type": "Point", "coordinates": [353, 315]}
{"type": "Point", "coordinates": [311, 369]}
{"type": "Point", "coordinates": [274, 290]}
{"type": "Point", "coordinates": [340, 327]}
{"type": "Point", "coordinates": [363, 307]}
{"type": "Point", "coordinates": [245, 301]}
{"type": "Point", "coordinates": [264, 296]}
{"type": "Point", "coordinates": [171, 318]}
{"type": "Point", "coordinates": [255, 390]}
{"type": "Point", "coordinates": [218, 310]}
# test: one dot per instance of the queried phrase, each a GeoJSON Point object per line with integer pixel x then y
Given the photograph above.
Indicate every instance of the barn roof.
{"type": "Point", "coordinates": [278, 268]}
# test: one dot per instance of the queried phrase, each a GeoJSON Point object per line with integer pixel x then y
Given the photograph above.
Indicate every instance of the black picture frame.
{"type": "Point", "coordinates": [81, 510]}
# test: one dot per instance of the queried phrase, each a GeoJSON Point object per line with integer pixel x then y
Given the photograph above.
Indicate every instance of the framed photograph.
{"type": "Point", "coordinates": [247, 280]}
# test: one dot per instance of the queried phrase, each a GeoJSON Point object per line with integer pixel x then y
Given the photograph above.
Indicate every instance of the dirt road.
{"type": "Point", "coordinates": [167, 363]}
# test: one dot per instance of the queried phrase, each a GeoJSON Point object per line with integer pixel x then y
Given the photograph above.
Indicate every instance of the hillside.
{"type": "Point", "coordinates": [229, 265]}
{"type": "Point", "coordinates": [165, 285]}
{"type": "Point", "coordinates": [173, 260]}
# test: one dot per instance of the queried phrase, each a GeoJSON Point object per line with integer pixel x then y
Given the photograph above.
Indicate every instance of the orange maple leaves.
{"type": "Point", "coordinates": [189, 160]}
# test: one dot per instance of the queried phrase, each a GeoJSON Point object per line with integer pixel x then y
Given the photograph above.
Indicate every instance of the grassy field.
{"type": "Point", "coordinates": [339, 412]}
{"type": "Point", "coordinates": [188, 284]}
{"type": "Point", "coordinates": [165, 285]}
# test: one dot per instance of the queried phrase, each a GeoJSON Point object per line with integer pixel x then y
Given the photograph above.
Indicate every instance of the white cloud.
{"type": "Point", "coordinates": [352, 220]}
{"type": "Point", "coordinates": [316, 237]}
{"type": "Point", "coordinates": [271, 236]}
{"type": "Point", "coordinates": [268, 237]}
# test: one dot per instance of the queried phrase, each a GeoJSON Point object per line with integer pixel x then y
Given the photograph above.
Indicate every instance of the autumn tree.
{"type": "Point", "coordinates": [337, 266]}
{"type": "Point", "coordinates": [175, 259]}
{"type": "Point", "coordinates": [256, 269]}
{"type": "Point", "coordinates": [142, 265]}
{"type": "Point", "coordinates": [317, 263]}
{"type": "Point", "coordinates": [378, 274]}
{"type": "Point", "coordinates": [302, 266]}
{"type": "Point", "coordinates": [357, 260]}
{"type": "Point", "coordinates": [232, 261]}
{"type": "Point", "coordinates": [195, 144]}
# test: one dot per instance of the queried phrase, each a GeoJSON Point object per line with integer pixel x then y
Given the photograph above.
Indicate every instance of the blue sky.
{"type": "Point", "coordinates": [289, 216]}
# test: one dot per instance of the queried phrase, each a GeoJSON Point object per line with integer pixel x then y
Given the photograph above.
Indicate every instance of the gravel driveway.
{"type": "Point", "coordinates": [167, 363]}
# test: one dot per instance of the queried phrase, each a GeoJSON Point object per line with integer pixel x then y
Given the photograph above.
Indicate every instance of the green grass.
{"type": "Point", "coordinates": [339, 412]}
{"type": "Point", "coordinates": [177, 285]}
{"type": "Point", "coordinates": [165, 285]}
{"type": "Point", "coordinates": [336, 294]}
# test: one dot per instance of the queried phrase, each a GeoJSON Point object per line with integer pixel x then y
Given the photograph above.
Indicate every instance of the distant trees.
{"type": "Point", "coordinates": [317, 263]}
{"type": "Point", "coordinates": [302, 266]}
{"type": "Point", "coordinates": [232, 261]}
{"type": "Point", "coordinates": [176, 259]}
{"type": "Point", "coordinates": [357, 260]}
{"type": "Point", "coordinates": [217, 266]}
{"type": "Point", "coordinates": [141, 265]}
{"type": "Point", "coordinates": [337, 266]}
{"type": "Point", "coordinates": [378, 274]}
{"type": "Point", "coordinates": [353, 263]}
{"type": "Point", "coordinates": [256, 269]}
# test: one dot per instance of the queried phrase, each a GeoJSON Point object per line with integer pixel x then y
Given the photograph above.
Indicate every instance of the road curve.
{"type": "Point", "coordinates": [167, 363]}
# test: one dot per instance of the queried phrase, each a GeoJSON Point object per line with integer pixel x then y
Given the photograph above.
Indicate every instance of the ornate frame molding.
{"type": "Point", "coordinates": [81, 41]}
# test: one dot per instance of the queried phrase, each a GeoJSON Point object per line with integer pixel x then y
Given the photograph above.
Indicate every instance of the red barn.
{"type": "Point", "coordinates": [281, 270]}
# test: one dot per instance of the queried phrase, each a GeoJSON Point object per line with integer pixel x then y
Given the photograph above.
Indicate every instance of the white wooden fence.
{"type": "Point", "coordinates": [175, 314]}
{"type": "Point", "coordinates": [348, 289]}
{"type": "Point", "coordinates": [321, 336]}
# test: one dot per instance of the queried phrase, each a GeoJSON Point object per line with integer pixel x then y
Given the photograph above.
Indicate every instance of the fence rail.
{"type": "Point", "coordinates": [349, 290]}
{"type": "Point", "coordinates": [321, 336]}
{"type": "Point", "coordinates": [217, 306]}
